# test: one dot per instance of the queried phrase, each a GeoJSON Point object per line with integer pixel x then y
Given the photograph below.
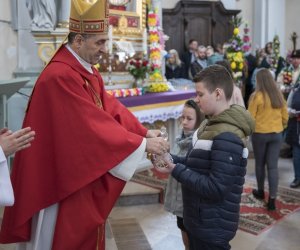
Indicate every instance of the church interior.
{"type": "Point", "coordinates": [143, 36]}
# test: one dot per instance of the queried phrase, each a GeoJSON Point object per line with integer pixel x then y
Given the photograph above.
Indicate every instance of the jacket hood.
{"type": "Point", "coordinates": [236, 116]}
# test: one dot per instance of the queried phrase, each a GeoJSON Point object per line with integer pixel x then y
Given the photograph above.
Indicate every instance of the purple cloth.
{"type": "Point", "coordinates": [153, 98]}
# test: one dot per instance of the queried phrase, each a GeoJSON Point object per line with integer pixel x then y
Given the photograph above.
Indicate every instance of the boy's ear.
{"type": "Point", "coordinates": [219, 93]}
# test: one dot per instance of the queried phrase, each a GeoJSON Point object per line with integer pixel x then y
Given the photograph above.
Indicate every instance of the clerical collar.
{"type": "Point", "coordinates": [85, 64]}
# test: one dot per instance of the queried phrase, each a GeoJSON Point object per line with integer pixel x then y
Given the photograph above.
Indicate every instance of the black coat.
{"type": "Point", "coordinates": [293, 128]}
{"type": "Point", "coordinates": [212, 184]}
{"type": "Point", "coordinates": [195, 68]}
{"type": "Point", "coordinates": [178, 72]}
{"type": "Point", "coordinates": [187, 60]}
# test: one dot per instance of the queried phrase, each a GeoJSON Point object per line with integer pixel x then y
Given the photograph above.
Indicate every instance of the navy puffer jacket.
{"type": "Point", "coordinates": [212, 178]}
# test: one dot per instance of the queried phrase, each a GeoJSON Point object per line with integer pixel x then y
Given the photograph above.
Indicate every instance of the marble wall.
{"type": "Point", "coordinates": [8, 42]}
{"type": "Point", "coordinates": [292, 11]}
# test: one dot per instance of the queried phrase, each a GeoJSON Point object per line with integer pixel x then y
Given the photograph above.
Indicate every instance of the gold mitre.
{"type": "Point", "coordinates": [89, 16]}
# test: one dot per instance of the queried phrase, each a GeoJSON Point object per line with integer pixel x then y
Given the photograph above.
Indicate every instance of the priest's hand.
{"type": "Point", "coordinates": [157, 146]}
{"type": "Point", "coordinates": [153, 133]}
{"type": "Point", "coordinates": [12, 142]}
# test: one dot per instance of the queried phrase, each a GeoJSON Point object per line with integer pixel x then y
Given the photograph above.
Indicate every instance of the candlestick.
{"type": "Point", "coordinates": [110, 39]}
{"type": "Point", "coordinates": [145, 42]}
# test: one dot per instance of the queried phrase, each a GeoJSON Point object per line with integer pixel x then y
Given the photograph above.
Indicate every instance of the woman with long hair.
{"type": "Point", "coordinates": [175, 68]}
{"type": "Point", "coordinates": [269, 109]}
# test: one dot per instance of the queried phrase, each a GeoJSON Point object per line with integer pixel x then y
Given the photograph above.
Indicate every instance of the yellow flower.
{"type": "Point", "coordinates": [236, 31]}
{"type": "Point", "coordinates": [233, 65]}
{"type": "Point", "coordinates": [153, 38]}
{"type": "Point", "coordinates": [155, 55]}
{"type": "Point", "coordinates": [241, 66]}
{"type": "Point", "coordinates": [152, 21]}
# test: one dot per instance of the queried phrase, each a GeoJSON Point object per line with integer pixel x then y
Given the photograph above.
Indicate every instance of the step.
{"type": "Point", "coordinates": [138, 194]}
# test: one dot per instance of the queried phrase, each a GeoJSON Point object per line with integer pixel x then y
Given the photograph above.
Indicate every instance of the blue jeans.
{"type": "Point", "coordinates": [296, 161]}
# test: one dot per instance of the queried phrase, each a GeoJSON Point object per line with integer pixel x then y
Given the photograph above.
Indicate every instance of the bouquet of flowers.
{"type": "Point", "coordinates": [275, 54]}
{"type": "Point", "coordinates": [138, 68]}
{"type": "Point", "coordinates": [287, 76]}
{"type": "Point", "coordinates": [235, 54]}
{"type": "Point", "coordinates": [246, 39]}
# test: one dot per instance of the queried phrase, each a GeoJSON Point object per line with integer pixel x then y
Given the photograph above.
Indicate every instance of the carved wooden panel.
{"type": "Point", "coordinates": [206, 21]}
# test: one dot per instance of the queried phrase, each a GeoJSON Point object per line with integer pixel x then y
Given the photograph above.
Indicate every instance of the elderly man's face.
{"type": "Point", "coordinates": [91, 48]}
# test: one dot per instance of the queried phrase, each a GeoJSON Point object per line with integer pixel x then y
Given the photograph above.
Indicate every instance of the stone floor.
{"type": "Point", "coordinates": [161, 231]}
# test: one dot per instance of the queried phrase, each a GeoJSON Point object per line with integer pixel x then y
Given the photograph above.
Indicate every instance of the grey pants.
{"type": "Point", "coordinates": [266, 148]}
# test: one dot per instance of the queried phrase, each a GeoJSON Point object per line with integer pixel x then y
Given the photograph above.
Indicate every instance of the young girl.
{"type": "Point", "coordinates": [268, 107]}
{"type": "Point", "coordinates": [190, 120]}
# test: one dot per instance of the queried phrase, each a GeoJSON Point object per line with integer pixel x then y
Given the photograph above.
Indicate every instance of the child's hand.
{"type": "Point", "coordinates": [13, 142]}
{"type": "Point", "coordinates": [169, 162]}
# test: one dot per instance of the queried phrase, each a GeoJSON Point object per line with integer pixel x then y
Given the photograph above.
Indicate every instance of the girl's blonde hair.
{"type": "Point", "coordinates": [266, 84]}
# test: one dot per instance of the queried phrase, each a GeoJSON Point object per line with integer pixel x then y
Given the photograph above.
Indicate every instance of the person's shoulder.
{"type": "Point", "coordinates": [258, 96]}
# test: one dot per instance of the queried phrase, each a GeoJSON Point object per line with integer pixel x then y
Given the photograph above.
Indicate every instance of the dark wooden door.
{"type": "Point", "coordinates": [207, 22]}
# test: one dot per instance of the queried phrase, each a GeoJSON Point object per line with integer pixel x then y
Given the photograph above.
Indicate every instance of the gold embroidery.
{"type": "Point", "coordinates": [97, 98]}
{"type": "Point", "coordinates": [100, 239]}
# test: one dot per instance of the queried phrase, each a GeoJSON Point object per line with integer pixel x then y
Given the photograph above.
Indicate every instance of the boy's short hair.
{"type": "Point", "coordinates": [216, 76]}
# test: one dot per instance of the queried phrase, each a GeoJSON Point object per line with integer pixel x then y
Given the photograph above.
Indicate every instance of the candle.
{"type": "Point", "coordinates": [110, 39]}
{"type": "Point", "coordinates": [145, 42]}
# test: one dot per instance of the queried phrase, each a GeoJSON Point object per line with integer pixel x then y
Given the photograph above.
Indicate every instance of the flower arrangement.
{"type": "Point", "coordinates": [157, 87]}
{"type": "Point", "coordinates": [138, 68]}
{"type": "Point", "coordinates": [275, 56]}
{"type": "Point", "coordinates": [287, 76]}
{"type": "Point", "coordinates": [235, 54]}
{"type": "Point", "coordinates": [155, 44]}
{"type": "Point", "coordinates": [246, 39]}
{"type": "Point", "coordinates": [156, 40]}
{"type": "Point", "coordinates": [125, 92]}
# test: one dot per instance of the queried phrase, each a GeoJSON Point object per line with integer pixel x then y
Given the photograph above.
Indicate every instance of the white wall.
{"type": "Point", "coordinates": [292, 12]}
{"type": "Point", "coordinates": [276, 25]}
{"type": "Point", "coordinates": [8, 42]}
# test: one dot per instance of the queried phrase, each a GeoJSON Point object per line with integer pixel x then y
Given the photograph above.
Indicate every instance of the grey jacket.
{"type": "Point", "coordinates": [173, 197]}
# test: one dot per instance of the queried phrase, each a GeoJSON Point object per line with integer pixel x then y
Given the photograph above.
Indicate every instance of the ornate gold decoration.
{"type": "Point", "coordinates": [140, 12]}
{"type": "Point", "coordinates": [46, 51]}
{"type": "Point", "coordinates": [89, 16]}
{"type": "Point", "coordinates": [123, 24]}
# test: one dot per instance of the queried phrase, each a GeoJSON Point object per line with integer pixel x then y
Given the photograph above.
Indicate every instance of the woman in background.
{"type": "Point", "coordinates": [269, 109]}
{"type": "Point", "coordinates": [175, 68]}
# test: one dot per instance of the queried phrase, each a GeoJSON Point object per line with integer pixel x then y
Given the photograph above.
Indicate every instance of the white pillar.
{"type": "Point", "coordinates": [269, 20]}
{"type": "Point", "coordinates": [63, 12]}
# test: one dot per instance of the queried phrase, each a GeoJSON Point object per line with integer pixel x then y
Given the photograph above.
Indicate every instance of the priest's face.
{"type": "Point", "coordinates": [91, 47]}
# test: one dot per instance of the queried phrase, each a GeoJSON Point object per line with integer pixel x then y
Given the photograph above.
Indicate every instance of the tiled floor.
{"type": "Point", "coordinates": [162, 233]}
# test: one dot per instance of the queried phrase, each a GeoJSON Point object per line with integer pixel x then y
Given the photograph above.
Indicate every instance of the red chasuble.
{"type": "Point", "coordinates": [76, 144]}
